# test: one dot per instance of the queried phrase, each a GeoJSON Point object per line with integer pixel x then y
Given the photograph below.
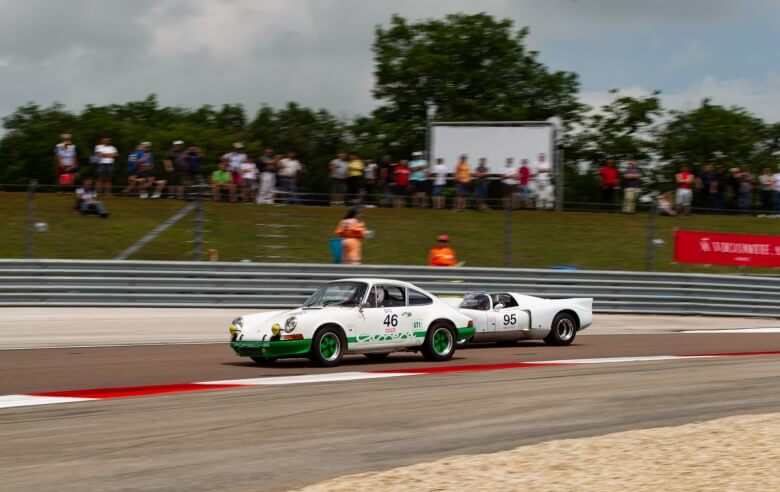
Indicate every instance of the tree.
{"type": "Point", "coordinates": [462, 68]}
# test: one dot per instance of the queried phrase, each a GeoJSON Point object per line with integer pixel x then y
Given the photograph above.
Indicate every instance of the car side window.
{"type": "Point", "coordinates": [390, 296]}
{"type": "Point", "coordinates": [417, 298]}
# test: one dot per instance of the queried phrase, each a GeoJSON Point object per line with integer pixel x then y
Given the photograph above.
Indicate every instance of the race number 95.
{"type": "Point", "coordinates": [510, 319]}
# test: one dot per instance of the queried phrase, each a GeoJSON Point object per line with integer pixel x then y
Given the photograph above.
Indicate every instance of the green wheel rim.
{"type": "Point", "coordinates": [442, 341]}
{"type": "Point", "coordinates": [330, 346]}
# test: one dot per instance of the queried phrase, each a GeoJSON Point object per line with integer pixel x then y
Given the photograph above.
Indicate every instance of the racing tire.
{"type": "Point", "coordinates": [377, 355]}
{"type": "Point", "coordinates": [327, 347]}
{"type": "Point", "coordinates": [563, 331]}
{"type": "Point", "coordinates": [263, 361]}
{"type": "Point", "coordinates": [440, 342]}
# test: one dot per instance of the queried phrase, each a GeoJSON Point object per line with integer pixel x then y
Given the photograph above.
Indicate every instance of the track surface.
{"type": "Point", "coordinates": [272, 438]}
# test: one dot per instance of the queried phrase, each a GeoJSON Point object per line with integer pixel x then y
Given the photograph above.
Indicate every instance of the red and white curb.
{"type": "Point", "coordinates": [96, 394]}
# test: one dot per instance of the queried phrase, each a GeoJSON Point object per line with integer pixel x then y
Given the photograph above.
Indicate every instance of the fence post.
{"type": "Point", "coordinates": [197, 240]}
{"type": "Point", "coordinates": [30, 219]}
{"type": "Point", "coordinates": [651, 213]}
{"type": "Point", "coordinates": [508, 234]}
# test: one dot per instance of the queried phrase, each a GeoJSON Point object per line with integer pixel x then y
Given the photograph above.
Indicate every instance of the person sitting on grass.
{"type": "Point", "coordinates": [87, 202]}
{"type": "Point", "coordinates": [221, 180]}
{"type": "Point", "coordinates": [442, 254]}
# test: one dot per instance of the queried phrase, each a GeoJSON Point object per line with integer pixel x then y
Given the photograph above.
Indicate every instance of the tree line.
{"type": "Point", "coordinates": [458, 68]}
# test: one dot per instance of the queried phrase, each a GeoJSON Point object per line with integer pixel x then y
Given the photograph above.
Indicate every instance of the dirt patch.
{"type": "Point", "coordinates": [735, 453]}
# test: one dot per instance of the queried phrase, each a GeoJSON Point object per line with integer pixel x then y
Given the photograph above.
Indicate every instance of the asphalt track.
{"type": "Point", "coordinates": [274, 438]}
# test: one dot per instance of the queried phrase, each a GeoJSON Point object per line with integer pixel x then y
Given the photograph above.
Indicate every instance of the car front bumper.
{"type": "Point", "coordinates": [271, 349]}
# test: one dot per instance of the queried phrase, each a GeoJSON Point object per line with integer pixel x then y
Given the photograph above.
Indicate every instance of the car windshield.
{"type": "Point", "coordinates": [479, 302]}
{"type": "Point", "coordinates": [337, 293]}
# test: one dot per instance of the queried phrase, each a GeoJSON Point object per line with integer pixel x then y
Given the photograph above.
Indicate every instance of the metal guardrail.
{"type": "Point", "coordinates": [271, 285]}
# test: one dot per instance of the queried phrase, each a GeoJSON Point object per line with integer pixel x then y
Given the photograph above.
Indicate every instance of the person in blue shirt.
{"type": "Point", "coordinates": [418, 179]}
{"type": "Point", "coordinates": [140, 157]}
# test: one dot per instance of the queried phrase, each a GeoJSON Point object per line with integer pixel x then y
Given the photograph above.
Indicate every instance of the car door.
{"type": "Point", "coordinates": [385, 320]}
{"type": "Point", "coordinates": [418, 307]}
{"type": "Point", "coordinates": [511, 316]}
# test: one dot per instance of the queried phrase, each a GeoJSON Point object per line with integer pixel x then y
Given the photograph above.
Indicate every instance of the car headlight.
{"type": "Point", "coordinates": [236, 325]}
{"type": "Point", "coordinates": [290, 324]}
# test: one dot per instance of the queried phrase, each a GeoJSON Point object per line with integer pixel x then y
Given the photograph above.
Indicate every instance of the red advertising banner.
{"type": "Point", "coordinates": [716, 248]}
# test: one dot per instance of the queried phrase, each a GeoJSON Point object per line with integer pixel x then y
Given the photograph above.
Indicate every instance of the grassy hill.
{"type": "Point", "coordinates": [300, 234]}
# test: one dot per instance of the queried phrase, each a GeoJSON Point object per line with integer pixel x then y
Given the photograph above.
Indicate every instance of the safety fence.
{"type": "Point", "coordinates": [278, 285]}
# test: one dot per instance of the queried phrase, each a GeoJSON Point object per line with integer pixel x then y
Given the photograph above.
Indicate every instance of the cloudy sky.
{"type": "Point", "coordinates": [318, 52]}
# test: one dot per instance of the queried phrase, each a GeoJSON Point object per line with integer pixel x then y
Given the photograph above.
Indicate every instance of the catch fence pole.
{"type": "Point", "coordinates": [30, 219]}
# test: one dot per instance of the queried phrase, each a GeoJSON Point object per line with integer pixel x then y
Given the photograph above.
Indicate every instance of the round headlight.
{"type": "Point", "coordinates": [290, 324]}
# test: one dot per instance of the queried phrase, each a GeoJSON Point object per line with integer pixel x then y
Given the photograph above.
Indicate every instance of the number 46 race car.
{"type": "Point", "coordinates": [507, 317]}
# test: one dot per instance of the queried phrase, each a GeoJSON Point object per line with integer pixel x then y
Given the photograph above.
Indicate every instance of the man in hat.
{"type": "Point", "coordinates": [233, 161]}
{"type": "Point", "coordinates": [418, 179]}
{"type": "Point", "coordinates": [442, 254]}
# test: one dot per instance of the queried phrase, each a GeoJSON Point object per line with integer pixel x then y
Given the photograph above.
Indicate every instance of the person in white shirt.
{"type": "Point", "coordinates": [370, 179]}
{"type": "Point", "coordinates": [266, 165]}
{"type": "Point", "coordinates": [545, 192]}
{"type": "Point", "coordinates": [87, 202]}
{"type": "Point", "coordinates": [233, 160]}
{"type": "Point", "coordinates": [287, 176]}
{"type": "Point", "coordinates": [509, 177]}
{"type": "Point", "coordinates": [776, 177]}
{"type": "Point", "coordinates": [248, 171]}
{"type": "Point", "coordinates": [67, 166]}
{"type": "Point", "coordinates": [338, 179]}
{"type": "Point", "coordinates": [105, 155]}
{"type": "Point", "coordinates": [439, 176]}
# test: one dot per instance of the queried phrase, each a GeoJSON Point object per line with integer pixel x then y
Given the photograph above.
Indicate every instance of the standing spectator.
{"type": "Point", "coordinates": [370, 179]}
{"type": "Point", "coordinates": [400, 184]}
{"type": "Point", "coordinates": [248, 180]}
{"type": "Point", "coordinates": [191, 165]}
{"type": "Point", "coordinates": [524, 186]}
{"type": "Point", "coordinates": [234, 159]}
{"type": "Point", "coordinates": [776, 177]}
{"type": "Point", "coordinates": [288, 172]}
{"type": "Point", "coordinates": [418, 179]}
{"type": "Point", "coordinates": [266, 166]}
{"type": "Point", "coordinates": [462, 182]}
{"type": "Point", "coordinates": [338, 179]}
{"type": "Point", "coordinates": [732, 188]}
{"type": "Point", "coordinates": [767, 182]}
{"type": "Point", "coordinates": [684, 195]}
{"type": "Point", "coordinates": [609, 183]}
{"type": "Point", "coordinates": [481, 184]}
{"type": "Point", "coordinates": [387, 177]}
{"type": "Point", "coordinates": [631, 177]}
{"type": "Point", "coordinates": [745, 191]}
{"type": "Point", "coordinates": [222, 180]}
{"type": "Point", "coordinates": [87, 202]}
{"type": "Point", "coordinates": [718, 188]}
{"type": "Point", "coordinates": [67, 166]}
{"type": "Point", "coordinates": [106, 155]}
{"type": "Point", "coordinates": [353, 230]}
{"type": "Point", "coordinates": [355, 168]}
{"type": "Point", "coordinates": [135, 160]}
{"type": "Point", "coordinates": [545, 193]}
{"type": "Point", "coordinates": [439, 175]}
{"type": "Point", "coordinates": [173, 169]}
{"type": "Point", "coordinates": [509, 177]}
{"type": "Point", "coordinates": [704, 184]}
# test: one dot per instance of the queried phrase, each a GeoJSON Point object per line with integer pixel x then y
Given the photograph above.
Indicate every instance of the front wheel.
{"type": "Point", "coordinates": [564, 329]}
{"type": "Point", "coordinates": [327, 347]}
{"type": "Point", "coordinates": [439, 343]}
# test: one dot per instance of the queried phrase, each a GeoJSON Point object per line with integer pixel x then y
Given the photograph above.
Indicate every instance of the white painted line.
{"type": "Point", "coordinates": [736, 330]}
{"type": "Point", "coordinates": [609, 360]}
{"type": "Point", "coordinates": [11, 401]}
{"type": "Point", "coordinates": [310, 378]}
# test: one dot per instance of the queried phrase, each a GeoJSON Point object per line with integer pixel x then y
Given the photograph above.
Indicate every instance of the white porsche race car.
{"type": "Point", "coordinates": [507, 317]}
{"type": "Point", "coordinates": [373, 317]}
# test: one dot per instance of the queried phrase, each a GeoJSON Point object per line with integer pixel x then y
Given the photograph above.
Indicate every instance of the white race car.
{"type": "Point", "coordinates": [507, 317]}
{"type": "Point", "coordinates": [373, 317]}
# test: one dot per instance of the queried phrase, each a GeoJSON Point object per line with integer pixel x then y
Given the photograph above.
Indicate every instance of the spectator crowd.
{"type": "Point", "coordinates": [275, 178]}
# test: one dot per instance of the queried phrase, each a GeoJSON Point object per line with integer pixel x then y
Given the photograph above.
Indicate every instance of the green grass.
{"type": "Point", "coordinates": [238, 232]}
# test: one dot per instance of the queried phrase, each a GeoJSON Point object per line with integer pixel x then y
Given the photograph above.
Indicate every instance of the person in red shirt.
{"type": "Point", "coordinates": [610, 182]}
{"type": "Point", "coordinates": [442, 254]}
{"type": "Point", "coordinates": [684, 195]}
{"type": "Point", "coordinates": [401, 185]}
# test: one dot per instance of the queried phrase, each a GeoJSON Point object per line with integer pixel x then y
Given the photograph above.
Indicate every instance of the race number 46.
{"type": "Point", "coordinates": [510, 319]}
{"type": "Point", "coordinates": [391, 320]}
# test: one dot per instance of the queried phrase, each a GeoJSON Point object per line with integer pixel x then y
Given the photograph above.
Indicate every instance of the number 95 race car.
{"type": "Point", "coordinates": [507, 317]}
{"type": "Point", "coordinates": [373, 317]}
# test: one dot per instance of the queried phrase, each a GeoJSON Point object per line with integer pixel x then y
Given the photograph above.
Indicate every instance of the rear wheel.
{"type": "Point", "coordinates": [564, 329]}
{"type": "Point", "coordinates": [327, 347]}
{"type": "Point", "coordinates": [439, 343]}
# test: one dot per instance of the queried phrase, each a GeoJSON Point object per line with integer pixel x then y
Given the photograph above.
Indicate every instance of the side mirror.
{"type": "Point", "coordinates": [498, 307]}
